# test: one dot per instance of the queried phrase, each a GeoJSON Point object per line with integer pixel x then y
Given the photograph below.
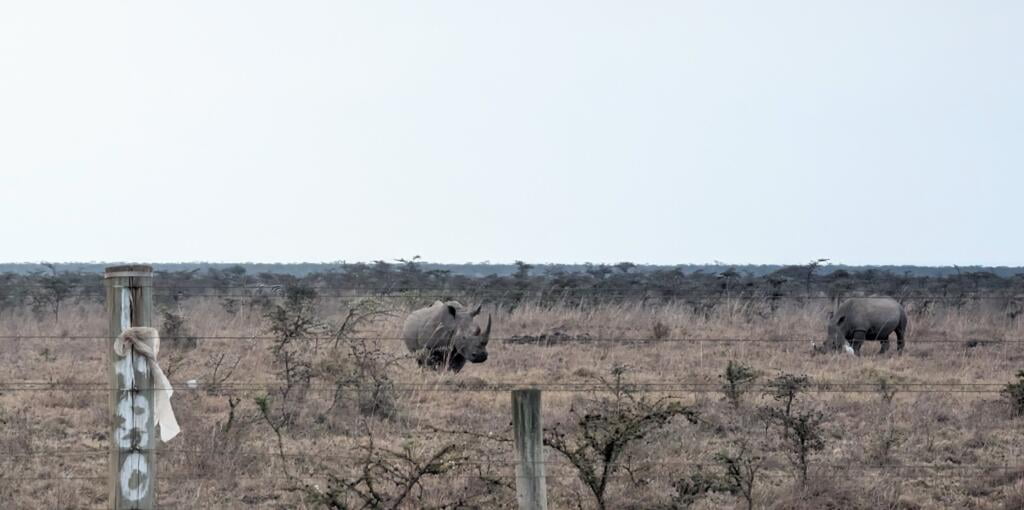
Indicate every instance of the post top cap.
{"type": "Point", "coordinates": [128, 270]}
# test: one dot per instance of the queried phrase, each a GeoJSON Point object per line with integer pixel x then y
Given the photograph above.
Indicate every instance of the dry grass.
{"type": "Point", "coordinates": [209, 467]}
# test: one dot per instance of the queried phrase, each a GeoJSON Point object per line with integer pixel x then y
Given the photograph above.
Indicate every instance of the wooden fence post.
{"type": "Point", "coordinates": [531, 488]}
{"type": "Point", "coordinates": [132, 434]}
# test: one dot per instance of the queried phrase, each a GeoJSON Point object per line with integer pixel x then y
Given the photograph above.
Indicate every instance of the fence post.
{"type": "Point", "coordinates": [132, 481]}
{"type": "Point", "coordinates": [531, 489]}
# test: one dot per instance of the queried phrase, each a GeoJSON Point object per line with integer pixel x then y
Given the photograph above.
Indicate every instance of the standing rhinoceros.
{"type": "Point", "coordinates": [860, 319]}
{"type": "Point", "coordinates": [444, 335]}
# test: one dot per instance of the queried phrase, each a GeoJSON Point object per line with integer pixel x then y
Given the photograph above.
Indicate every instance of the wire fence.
{"type": "Point", "coordinates": [504, 387]}
{"type": "Point", "coordinates": [661, 387]}
{"type": "Point", "coordinates": [555, 462]}
{"type": "Point", "coordinates": [960, 471]}
{"type": "Point", "coordinates": [483, 291]}
{"type": "Point", "coordinates": [580, 338]}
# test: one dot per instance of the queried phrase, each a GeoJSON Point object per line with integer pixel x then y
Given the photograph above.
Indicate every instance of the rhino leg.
{"type": "Point", "coordinates": [432, 359]}
{"type": "Point", "coordinates": [858, 341]}
{"type": "Point", "coordinates": [885, 344]}
{"type": "Point", "coordinates": [899, 340]}
{"type": "Point", "coordinates": [456, 362]}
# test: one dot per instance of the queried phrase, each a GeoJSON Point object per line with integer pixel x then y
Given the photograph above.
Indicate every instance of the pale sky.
{"type": "Point", "coordinates": [868, 132]}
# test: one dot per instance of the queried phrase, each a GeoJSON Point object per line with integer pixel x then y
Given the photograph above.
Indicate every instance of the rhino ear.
{"type": "Point", "coordinates": [476, 311]}
{"type": "Point", "coordinates": [451, 310]}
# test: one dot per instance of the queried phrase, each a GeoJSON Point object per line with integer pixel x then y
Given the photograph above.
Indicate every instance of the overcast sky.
{"type": "Point", "coordinates": [888, 132]}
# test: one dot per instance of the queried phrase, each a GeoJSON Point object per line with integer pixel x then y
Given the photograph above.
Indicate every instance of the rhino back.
{"type": "Point", "coordinates": [420, 325]}
{"type": "Point", "coordinates": [868, 313]}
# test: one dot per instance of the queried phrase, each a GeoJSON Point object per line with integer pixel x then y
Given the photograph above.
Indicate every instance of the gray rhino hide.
{"type": "Point", "coordinates": [860, 319]}
{"type": "Point", "coordinates": [444, 335]}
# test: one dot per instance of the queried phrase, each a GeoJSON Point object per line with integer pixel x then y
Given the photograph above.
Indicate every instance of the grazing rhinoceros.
{"type": "Point", "coordinates": [860, 319]}
{"type": "Point", "coordinates": [444, 336]}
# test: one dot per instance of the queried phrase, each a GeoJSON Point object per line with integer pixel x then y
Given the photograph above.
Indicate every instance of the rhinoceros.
{"type": "Point", "coordinates": [444, 336]}
{"type": "Point", "coordinates": [860, 319]}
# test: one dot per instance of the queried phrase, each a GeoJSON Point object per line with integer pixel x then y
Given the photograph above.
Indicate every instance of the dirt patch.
{"type": "Point", "coordinates": [549, 339]}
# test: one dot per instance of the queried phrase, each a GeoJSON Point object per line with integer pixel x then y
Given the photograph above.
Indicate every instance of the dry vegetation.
{"type": "Point", "coordinates": [315, 416]}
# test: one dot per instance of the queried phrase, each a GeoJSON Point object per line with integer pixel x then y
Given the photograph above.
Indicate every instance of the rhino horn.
{"type": "Point", "coordinates": [476, 311]}
{"type": "Point", "coordinates": [487, 330]}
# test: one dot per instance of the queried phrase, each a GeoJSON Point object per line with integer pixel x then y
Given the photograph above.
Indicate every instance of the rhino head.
{"type": "Point", "coordinates": [834, 340]}
{"type": "Point", "coordinates": [467, 338]}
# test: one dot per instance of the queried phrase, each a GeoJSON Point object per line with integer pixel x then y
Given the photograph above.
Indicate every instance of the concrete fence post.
{"type": "Point", "coordinates": [132, 464]}
{"type": "Point", "coordinates": [531, 488]}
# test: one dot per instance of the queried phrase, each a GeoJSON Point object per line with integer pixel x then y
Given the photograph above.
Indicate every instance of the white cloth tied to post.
{"type": "Point", "coordinates": [146, 342]}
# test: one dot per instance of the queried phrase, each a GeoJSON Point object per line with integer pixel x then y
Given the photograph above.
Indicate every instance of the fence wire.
{"type": "Point", "coordinates": [577, 339]}
{"type": "Point", "coordinates": [502, 387]}
{"type": "Point", "coordinates": [556, 461]}
{"type": "Point", "coordinates": [948, 470]}
{"type": "Point", "coordinates": [399, 291]}
{"type": "Point", "coordinates": [583, 338]}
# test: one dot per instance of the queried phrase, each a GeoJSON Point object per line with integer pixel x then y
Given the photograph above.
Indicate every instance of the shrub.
{"type": "Point", "coordinates": [392, 478]}
{"type": "Point", "coordinates": [738, 379]}
{"type": "Point", "coordinates": [175, 331]}
{"type": "Point", "coordinates": [295, 327]}
{"type": "Point", "coordinates": [883, 441]}
{"type": "Point", "coordinates": [607, 427]}
{"type": "Point", "coordinates": [886, 390]}
{"type": "Point", "coordinates": [692, 487]}
{"type": "Point", "coordinates": [1014, 394]}
{"type": "Point", "coordinates": [219, 368]}
{"type": "Point", "coordinates": [660, 331]}
{"type": "Point", "coordinates": [802, 435]}
{"type": "Point", "coordinates": [363, 370]}
{"type": "Point", "coordinates": [741, 468]}
{"type": "Point", "coordinates": [51, 293]}
{"type": "Point", "coordinates": [801, 432]}
{"type": "Point", "coordinates": [785, 389]}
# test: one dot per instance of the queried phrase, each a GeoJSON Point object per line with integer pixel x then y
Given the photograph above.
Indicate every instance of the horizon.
{"type": "Point", "coordinates": [717, 264]}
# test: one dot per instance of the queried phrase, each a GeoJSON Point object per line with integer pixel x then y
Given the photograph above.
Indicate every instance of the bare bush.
{"type": "Point", "coordinates": [802, 436]}
{"type": "Point", "coordinates": [738, 378]}
{"type": "Point", "coordinates": [52, 292]}
{"type": "Point", "coordinates": [786, 388]}
{"type": "Point", "coordinates": [175, 331]}
{"type": "Point", "coordinates": [660, 331]}
{"type": "Point", "coordinates": [693, 486]}
{"type": "Point", "coordinates": [392, 478]}
{"type": "Point", "coordinates": [295, 327]}
{"type": "Point", "coordinates": [883, 441]}
{"type": "Point", "coordinates": [606, 427]}
{"type": "Point", "coordinates": [800, 432]}
{"type": "Point", "coordinates": [1014, 395]}
{"type": "Point", "coordinates": [741, 467]}
{"type": "Point", "coordinates": [219, 369]}
{"type": "Point", "coordinates": [363, 370]}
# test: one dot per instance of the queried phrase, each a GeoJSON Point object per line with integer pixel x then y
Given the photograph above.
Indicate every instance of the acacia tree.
{"type": "Point", "coordinates": [812, 267]}
{"type": "Point", "coordinates": [52, 292]}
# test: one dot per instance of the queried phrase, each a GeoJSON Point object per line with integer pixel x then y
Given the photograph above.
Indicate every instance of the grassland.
{"type": "Point", "coordinates": [925, 447]}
